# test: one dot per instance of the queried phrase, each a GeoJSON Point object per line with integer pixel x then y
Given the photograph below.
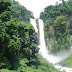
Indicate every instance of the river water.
{"type": "Point", "coordinates": [45, 53]}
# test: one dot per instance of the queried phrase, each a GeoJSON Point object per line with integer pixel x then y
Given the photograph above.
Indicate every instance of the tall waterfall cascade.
{"type": "Point", "coordinates": [44, 52]}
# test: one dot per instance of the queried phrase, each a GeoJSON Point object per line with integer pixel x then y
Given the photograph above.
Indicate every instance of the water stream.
{"type": "Point", "coordinates": [45, 53]}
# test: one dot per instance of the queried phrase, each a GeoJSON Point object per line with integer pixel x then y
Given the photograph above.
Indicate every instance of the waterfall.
{"type": "Point", "coordinates": [42, 45]}
{"type": "Point", "coordinates": [44, 52]}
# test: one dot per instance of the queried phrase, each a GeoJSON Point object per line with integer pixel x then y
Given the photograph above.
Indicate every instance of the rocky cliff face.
{"type": "Point", "coordinates": [69, 20]}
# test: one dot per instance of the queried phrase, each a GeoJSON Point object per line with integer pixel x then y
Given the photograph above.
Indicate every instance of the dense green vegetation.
{"type": "Point", "coordinates": [21, 13]}
{"type": "Point", "coordinates": [18, 41]}
{"type": "Point", "coordinates": [67, 62]}
{"type": "Point", "coordinates": [58, 25]}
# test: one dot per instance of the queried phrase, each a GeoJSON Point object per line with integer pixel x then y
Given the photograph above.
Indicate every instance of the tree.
{"type": "Point", "coordinates": [21, 13]}
{"type": "Point", "coordinates": [62, 40]}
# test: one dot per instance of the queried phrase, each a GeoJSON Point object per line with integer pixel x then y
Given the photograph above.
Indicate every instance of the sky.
{"type": "Point", "coordinates": [37, 6]}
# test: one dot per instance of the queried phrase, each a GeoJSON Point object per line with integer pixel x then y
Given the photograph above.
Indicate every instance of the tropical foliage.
{"type": "Point", "coordinates": [18, 41]}
{"type": "Point", "coordinates": [58, 25]}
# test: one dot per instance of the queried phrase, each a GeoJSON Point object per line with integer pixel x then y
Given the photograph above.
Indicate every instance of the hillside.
{"type": "Point", "coordinates": [18, 41]}
{"type": "Point", "coordinates": [58, 26]}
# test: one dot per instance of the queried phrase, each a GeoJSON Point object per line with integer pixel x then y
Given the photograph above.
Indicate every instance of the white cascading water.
{"type": "Point", "coordinates": [42, 46]}
{"type": "Point", "coordinates": [44, 51]}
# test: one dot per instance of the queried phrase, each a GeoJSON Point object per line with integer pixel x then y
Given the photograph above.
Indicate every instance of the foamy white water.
{"type": "Point", "coordinates": [63, 68]}
{"type": "Point", "coordinates": [44, 52]}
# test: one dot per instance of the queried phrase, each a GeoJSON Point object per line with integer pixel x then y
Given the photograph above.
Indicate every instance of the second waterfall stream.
{"type": "Point", "coordinates": [43, 50]}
